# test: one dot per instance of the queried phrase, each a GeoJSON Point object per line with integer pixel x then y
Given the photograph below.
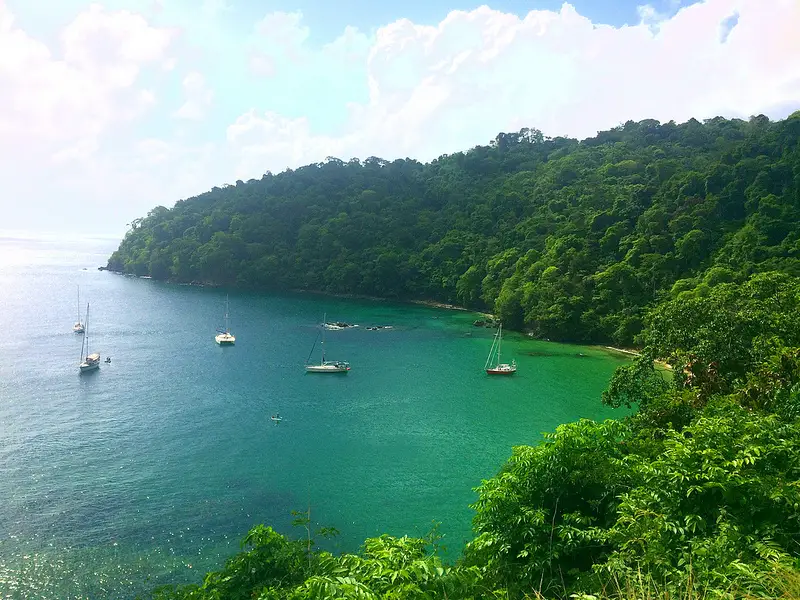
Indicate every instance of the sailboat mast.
{"type": "Point", "coordinates": [322, 343]}
{"type": "Point", "coordinates": [79, 305]}
{"type": "Point", "coordinates": [499, 341]}
{"type": "Point", "coordinates": [227, 329]}
{"type": "Point", "coordinates": [85, 341]}
{"type": "Point", "coordinates": [491, 352]}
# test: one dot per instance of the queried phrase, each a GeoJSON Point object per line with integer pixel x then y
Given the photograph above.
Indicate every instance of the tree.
{"type": "Point", "coordinates": [573, 240]}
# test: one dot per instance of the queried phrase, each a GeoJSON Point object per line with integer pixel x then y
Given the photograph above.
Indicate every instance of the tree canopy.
{"type": "Point", "coordinates": [571, 240]}
{"type": "Point", "coordinates": [681, 238]}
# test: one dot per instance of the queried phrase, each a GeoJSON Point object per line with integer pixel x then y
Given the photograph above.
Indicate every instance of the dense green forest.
{"type": "Point", "coordinates": [695, 496]}
{"type": "Point", "coordinates": [681, 238]}
{"type": "Point", "coordinates": [571, 240]}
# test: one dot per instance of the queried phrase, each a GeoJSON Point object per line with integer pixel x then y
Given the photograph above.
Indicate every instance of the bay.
{"type": "Point", "coordinates": [153, 468]}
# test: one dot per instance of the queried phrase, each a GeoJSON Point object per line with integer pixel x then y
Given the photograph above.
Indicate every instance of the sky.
{"type": "Point", "coordinates": [110, 108]}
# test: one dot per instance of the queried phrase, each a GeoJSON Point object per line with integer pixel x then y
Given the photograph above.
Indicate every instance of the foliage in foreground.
{"type": "Point", "coordinates": [274, 567]}
{"type": "Point", "coordinates": [717, 503]}
{"type": "Point", "coordinates": [570, 239]}
{"type": "Point", "coordinates": [696, 496]}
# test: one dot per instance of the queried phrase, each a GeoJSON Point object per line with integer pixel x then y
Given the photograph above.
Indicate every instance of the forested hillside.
{"type": "Point", "coordinates": [569, 239]}
{"type": "Point", "coordinates": [685, 236]}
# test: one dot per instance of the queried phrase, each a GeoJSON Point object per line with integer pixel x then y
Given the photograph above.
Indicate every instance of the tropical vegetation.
{"type": "Point", "coordinates": [696, 495]}
{"type": "Point", "coordinates": [569, 239]}
{"type": "Point", "coordinates": [681, 238]}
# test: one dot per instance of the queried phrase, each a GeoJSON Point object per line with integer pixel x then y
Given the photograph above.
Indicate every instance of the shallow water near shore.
{"type": "Point", "coordinates": [153, 468]}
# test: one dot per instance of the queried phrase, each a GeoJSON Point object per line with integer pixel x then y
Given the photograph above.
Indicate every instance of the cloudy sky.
{"type": "Point", "coordinates": [108, 109]}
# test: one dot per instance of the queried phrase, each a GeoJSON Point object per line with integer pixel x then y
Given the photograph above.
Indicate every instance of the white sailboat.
{"type": "Point", "coordinates": [225, 338]}
{"type": "Point", "coordinates": [326, 366]}
{"type": "Point", "coordinates": [78, 327]}
{"type": "Point", "coordinates": [499, 368]}
{"type": "Point", "coordinates": [89, 362]}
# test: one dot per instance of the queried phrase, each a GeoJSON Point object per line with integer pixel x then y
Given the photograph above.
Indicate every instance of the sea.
{"type": "Point", "coordinates": [151, 469]}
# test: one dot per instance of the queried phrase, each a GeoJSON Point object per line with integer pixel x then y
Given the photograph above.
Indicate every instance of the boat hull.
{"type": "Point", "coordinates": [225, 339]}
{"type": "Point", "coordinates": [502, 370]}
{"type": "Point", "coordinates": [91, 363]}
{"type": "Point", "coordinates": [327, 369]}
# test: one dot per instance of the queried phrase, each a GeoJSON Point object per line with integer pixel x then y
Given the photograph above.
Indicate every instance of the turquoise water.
{"type": "Point", "coordinates": [153, 468]}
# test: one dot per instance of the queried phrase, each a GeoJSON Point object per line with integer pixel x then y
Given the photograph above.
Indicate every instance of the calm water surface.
{"type": "Point", "coordinates": [152, 469]}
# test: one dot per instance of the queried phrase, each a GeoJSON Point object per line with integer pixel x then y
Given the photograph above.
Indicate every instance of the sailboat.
{"type": "Point", "coordinates": [326, 366]}
{"type": "Point", "coordinates": [225, 338]}
{"type": "Point", "coordinates": [78, 327]}
{"type": "Point", "coordinates": [499, 368]}
{"type": "Point", "coordinates": [89, 362]}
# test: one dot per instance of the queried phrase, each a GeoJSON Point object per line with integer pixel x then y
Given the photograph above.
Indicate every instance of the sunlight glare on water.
{"type": "Point", "coordinates": [151, 469]}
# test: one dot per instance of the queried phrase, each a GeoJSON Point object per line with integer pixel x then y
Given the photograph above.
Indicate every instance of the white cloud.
{"type": "Point", "coordinates": [280, 36]}
{"type": "Point", "coordinates": [198, 97]}
{"type": "Point", "coordinates": [283, 29]}
{"type": "Point", "coordinates": [423, 91]}
{"type": "Point", "coordinates": [212, 9]}
{"type": "Point", "coordinates": [438, 89]}
{"type": "Point", "coordinates": [51, 104]}
{"type": "Point", "coordinates": [279, 39]}
{"type": "Point", "coordinates": [261, 64]}
{"type": "Point", "coordinates": [58, 105]}
{"type": "Point", "coordinates": [351, 47]}
{"type": "Point", "coordinates": [112, 46]}
{"type": "Point", "coordinates": [152, 171]}
{"type": "Point", "coordinates": [271, 142]}
{"type": "Point", "coordinates": [649, 15]}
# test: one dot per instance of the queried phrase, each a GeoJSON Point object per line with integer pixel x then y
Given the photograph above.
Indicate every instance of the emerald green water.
{"type": "Point", "coordinates": [153, 468]}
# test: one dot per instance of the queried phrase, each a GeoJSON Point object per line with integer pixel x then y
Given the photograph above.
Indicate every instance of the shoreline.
{"type": "Point", "coordinates": [346, 296]}
{"type": "Point", "coordinates": [428, 303]}
{"type": "Point", "coordinates": [630, 352]}
{"type": "Point", "coordinates": [342, 295]}
{"type": "Point", "coordinates": [437, 304]}
{"type": "Point", "coordinates": [418, 302]}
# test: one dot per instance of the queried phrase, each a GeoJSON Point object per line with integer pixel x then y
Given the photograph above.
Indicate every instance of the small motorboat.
{"type": "Point", "coordinates": [276, 418]}
{"type": "Point", "coordinates": [338, 325]}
